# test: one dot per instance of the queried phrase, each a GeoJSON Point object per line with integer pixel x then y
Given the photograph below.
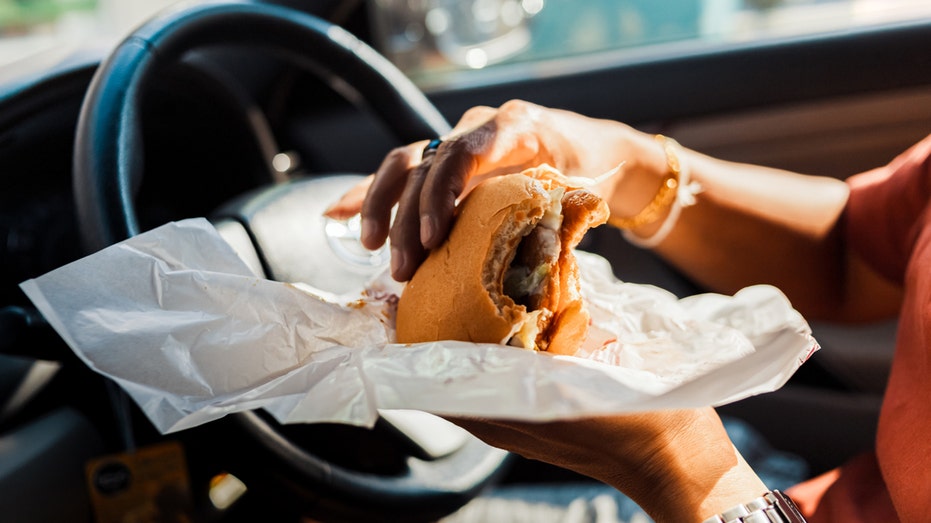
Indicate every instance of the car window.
{"type": "Point", "coordinates": [445, 43]}
{"type": "Point", "coordinates": [448, 42]}
{"type": "Point", "coordinates": [29, 27]}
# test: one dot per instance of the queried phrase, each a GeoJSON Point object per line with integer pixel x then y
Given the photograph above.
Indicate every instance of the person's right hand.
{"type": "Point", "coordinates": [485, 142]}
{"type": "Point", "coordinates": [678, 465]}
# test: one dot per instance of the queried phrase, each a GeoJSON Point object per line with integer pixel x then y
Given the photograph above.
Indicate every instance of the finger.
{"type": "Point", "coordinates": [350, 204]}
{"type": "Point", "coordinates": [453, 165]}
{"type": "Point", "coordinates": [473, 118]}
{"type": "Point", "coordinates": [495, 434]}
{"type": "Point", "coordinates": [460, 162]}
{"type": "Point", "coordinates": [385, 190]}
{"type": "Point", "coordinates": [406, 249]}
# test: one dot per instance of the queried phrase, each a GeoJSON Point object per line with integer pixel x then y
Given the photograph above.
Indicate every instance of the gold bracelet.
{"type": "Point", "coordinates": [665, 195]}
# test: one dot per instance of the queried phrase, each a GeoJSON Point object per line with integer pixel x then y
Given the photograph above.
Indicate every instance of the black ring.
{"type": "Point", "coordinates": [431, 147]}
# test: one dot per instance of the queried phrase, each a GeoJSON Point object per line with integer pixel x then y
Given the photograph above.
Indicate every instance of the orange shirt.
{"type": "Point", "coordinates": [888, 223]}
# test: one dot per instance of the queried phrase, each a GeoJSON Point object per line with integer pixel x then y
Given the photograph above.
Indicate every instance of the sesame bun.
{"type": "Point", "coordinates": [506, 273]}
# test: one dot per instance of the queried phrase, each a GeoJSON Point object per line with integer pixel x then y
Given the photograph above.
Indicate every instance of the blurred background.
{"type": "Point", "coordinates": [444, 43]}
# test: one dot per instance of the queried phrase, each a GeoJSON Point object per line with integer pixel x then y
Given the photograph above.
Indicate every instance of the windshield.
{"type": "Point", "coordinates": [446, 42]}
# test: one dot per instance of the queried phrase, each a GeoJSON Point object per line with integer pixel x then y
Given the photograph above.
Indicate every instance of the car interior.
{"type": "Point", "coordinates": [258, 114]}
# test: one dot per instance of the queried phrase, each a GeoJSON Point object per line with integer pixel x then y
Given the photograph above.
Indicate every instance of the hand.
{"type": "Point", "coordinates": [486, 142]}
{"type": "Point", "coordinates": [677, 465]}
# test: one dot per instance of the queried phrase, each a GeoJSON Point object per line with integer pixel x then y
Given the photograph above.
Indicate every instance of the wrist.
{"type": "Point", "coordinates": [691, 472]}
{"type": "Point", "coordinates": [656, 220]}
{"type": "Point", "coordinates": [711, 484]}
{"type": "Point", "coordinates": [644, 177]}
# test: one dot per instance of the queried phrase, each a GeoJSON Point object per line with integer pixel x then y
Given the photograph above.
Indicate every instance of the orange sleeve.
{"type": "Point", "coordinates": [888, 223]}
{"type": "Point", "coordinates": [884, 208]}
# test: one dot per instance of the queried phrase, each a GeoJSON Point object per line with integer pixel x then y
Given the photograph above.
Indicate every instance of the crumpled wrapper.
{"type": "Point", "coordinates": [177, 319]}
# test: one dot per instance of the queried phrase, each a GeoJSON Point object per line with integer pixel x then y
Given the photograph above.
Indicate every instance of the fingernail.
{"type": "Point", "coordinates": [427, 229]}
{"type": "Point", "coordinates": [397, 261]}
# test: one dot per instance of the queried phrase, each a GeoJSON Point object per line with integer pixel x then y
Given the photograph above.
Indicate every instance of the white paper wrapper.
{"type": "Point", "coordinates": [182, 324]}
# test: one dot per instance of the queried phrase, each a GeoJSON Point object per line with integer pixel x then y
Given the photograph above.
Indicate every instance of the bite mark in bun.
{"type": "Point", "coordinates": [507, 273]}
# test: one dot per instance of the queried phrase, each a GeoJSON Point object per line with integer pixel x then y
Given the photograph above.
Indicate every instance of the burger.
{"type": "Point", "coordinates": [507, 273]}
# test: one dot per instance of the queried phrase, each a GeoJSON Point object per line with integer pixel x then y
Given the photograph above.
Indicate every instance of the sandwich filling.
{"type": "Point", "coordinates": [525, 279]}
{"type": "Point", "coordinates": [506, 274]}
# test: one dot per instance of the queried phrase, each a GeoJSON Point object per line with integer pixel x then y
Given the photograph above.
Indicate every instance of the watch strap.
{"type": "Point", "coordinates": [771, 507]}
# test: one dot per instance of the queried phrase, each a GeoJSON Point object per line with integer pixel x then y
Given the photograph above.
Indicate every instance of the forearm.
{"type": "Point", "coordinates": [699, 473]}
{"type": "Point", "coordinates": [749, 225]}
{"type": "Point", "coordinates": [752, 224]}
{"type": "Point", "coordinates": [697, 498]}
{"type": "Point", "coordinates": [757, 225]}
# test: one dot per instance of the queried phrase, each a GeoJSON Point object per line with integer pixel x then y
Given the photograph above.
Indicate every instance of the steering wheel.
{"type": "Point", "coordinates": [432, 479]}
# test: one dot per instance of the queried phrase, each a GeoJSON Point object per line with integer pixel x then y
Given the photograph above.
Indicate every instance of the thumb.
{"type": "Point", "coordinates": [350, 203]}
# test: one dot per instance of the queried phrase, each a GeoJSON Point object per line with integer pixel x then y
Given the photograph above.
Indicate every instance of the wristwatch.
{"type": "Point", "coordinates": [771, 507]}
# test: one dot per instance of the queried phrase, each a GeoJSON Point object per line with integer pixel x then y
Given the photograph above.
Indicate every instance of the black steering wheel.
{"type": "Point", "coordinates": [425, 481]}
